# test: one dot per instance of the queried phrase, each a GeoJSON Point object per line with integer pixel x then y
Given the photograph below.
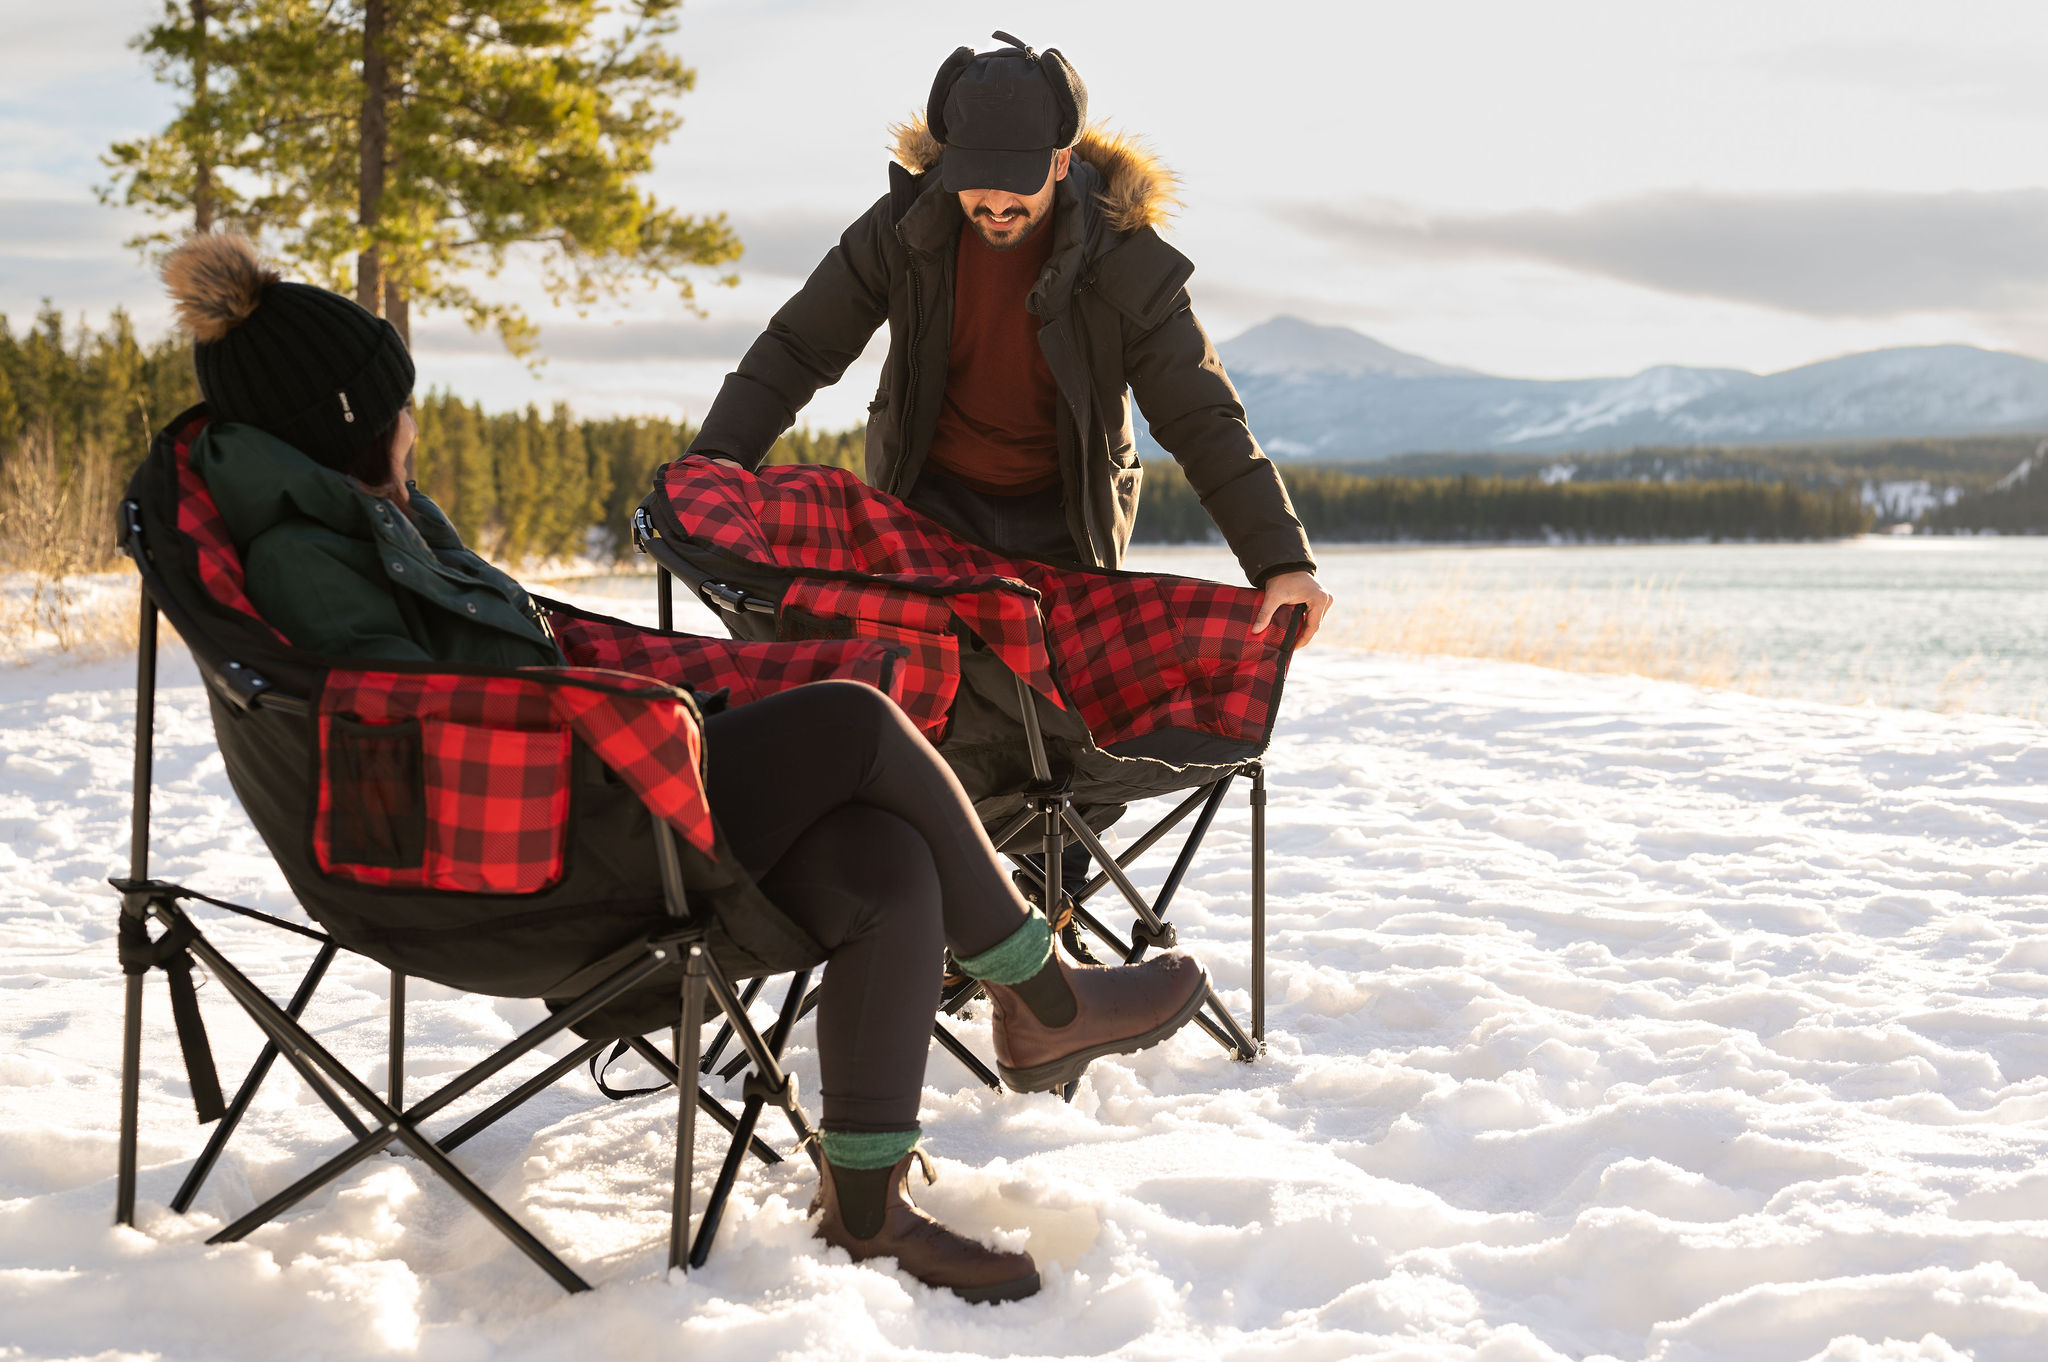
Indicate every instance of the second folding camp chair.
{"type": "Point", "coordinates": [1050, 690]}
{"type": "Point", "coordinates": [531, 833]}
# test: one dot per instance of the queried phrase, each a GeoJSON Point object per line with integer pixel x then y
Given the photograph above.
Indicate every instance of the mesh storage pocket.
{"type": "Point", "coordinates": [377, 799]}
{"type": "Point", "coordinates": [426, 803]}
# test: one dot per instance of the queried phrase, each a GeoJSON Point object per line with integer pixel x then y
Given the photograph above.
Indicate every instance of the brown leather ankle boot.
{"type": "Point", "coordinates": [868, 1212]}
{"type": "Point", "coordinates": [1116, 1011]}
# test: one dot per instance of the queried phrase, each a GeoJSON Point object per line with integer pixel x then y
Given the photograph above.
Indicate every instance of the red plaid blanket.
{"type": "Point", "coordinates": [751, 671]}
{"type": "Point", "coordinates": [1133, 653]}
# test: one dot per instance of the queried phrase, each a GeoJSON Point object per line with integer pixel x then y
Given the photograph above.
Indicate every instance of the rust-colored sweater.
{"type": "Point", "coordinates": [996, 431]}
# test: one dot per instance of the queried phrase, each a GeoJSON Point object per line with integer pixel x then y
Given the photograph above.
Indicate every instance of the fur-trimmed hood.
{"type": "Point", "coordinates": [1138, 189]}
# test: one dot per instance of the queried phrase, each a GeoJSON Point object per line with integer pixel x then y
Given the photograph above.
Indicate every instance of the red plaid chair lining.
{"type": "Point", "coordinates": [484, 805]}
{"type": "Point", "coordinates": [1135, 653]}
{"type": "Point", "coordinates": [825, 520]}
{"type": "Point", "coordinates": [751, 671]}
{"type": "Point", "coordinates": [914, 624]}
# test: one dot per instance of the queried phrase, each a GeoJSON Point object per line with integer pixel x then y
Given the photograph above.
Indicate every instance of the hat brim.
{"type": "Point", "coordinates": [1012, 172]}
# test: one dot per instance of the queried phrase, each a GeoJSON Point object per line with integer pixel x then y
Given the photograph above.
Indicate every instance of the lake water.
{"type": "Point", "coordinates": [1923, 622]}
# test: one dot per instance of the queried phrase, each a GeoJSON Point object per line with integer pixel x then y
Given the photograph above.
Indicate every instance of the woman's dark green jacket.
{"type": "Point", "coordinates": [341, 572]}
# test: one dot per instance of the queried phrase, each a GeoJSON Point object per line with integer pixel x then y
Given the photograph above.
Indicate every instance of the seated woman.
{"type": "Point", "coordinates": [831, 800]}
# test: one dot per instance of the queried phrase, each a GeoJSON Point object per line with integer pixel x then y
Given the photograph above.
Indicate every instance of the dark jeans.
{"type": "Point", "coordinates": [855, 828]}
{"type": "Point", "coordinates": [1032, 526]}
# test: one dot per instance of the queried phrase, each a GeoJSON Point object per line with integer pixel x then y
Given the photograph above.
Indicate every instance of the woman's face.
{"type": "Point", "coordinates": [401, 456]}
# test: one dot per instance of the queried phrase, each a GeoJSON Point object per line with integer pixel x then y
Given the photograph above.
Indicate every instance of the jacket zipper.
{"type": "Point", "coordinates": [916, 339]}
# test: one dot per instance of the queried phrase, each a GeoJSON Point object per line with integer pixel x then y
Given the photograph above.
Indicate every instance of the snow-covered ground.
{"type": "Point", "coordinates": [1610, 1018]}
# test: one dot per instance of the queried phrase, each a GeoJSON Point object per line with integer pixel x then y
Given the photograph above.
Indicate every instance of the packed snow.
{"type": "Point", "coordinates": [1610, 1018]}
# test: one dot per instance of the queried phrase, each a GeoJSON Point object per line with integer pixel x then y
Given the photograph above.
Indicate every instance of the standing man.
{"type": "Point", "coordinates": [1016, 345]}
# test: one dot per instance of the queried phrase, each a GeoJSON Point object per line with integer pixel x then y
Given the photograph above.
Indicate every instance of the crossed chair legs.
{"type": "Point", "coordinates": [1057, 818]}
{"type": "Point", "coordinates": [390, 1121]}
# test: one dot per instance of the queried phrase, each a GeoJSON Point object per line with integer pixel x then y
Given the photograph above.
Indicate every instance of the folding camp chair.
{"type": "Point", "coordinates": [1048, 689]}
{"type": "Point", "coordinates": [539, 832]}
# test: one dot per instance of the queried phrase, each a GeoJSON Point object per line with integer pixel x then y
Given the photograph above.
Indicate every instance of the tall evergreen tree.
{"type": "Point", "coordinates": [200, 48]}
{"type": "Point", "coordinates": [401, 149]}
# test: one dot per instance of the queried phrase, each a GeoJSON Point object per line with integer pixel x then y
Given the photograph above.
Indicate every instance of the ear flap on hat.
{"type": "Point", "coordinates": [942, 85]}
{"type": "Point", "coordinates": [1068, 92]}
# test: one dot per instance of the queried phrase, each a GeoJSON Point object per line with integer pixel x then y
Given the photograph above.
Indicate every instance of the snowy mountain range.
{"type": "Point", "coordinates": [1328, 392]}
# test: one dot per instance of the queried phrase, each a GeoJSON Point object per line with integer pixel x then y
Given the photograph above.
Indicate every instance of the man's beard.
{"type": "Point", "coordinates": [1030, 230]}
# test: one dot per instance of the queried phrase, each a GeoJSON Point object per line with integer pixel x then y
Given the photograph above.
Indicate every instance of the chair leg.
{"type": "Point", "coordinates": [518, 1097]}
{"type": "Point", "coordinates": [1053, 809]}
{"type": "Point", "coordinates": [767, 1081]}
{"type": "Point", "coordinates": [1225, 1031]}
{"type": "Point", "coordinates": [740, 1061]}
{"type": "Point", "coordinates": [138, 870]}
{"type": "Point", "coordinates": [718, 1041]}
{"type": "Point", "coordinates": [952, 1045]}
{"type": "Point", "coordinates": [1129, 856]}
{"type": "Point", "coordinates": [688, 1028]}
{"type": "Point", "coordinates": [706, 1103]}
{"type": "Point", "coordinates": [131, 1101]}
{"type": "Point", "coordinates": [188, 1191]}
{"type": "Point", "coordinates": [1258, 802]}
{"type": "Point", "coordinates": [1186, 859]}
{"type": "Point", "coordinates": [325, 1072]}
{"type": "Point", "coordinates": [395, 1051]}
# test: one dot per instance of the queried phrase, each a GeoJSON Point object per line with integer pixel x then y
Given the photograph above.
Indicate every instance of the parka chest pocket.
{"type": "Point", "coordinates": [430, 804]}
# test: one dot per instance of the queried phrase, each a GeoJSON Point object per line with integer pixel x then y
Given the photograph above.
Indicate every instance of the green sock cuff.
{"type": "Point", "coordinates": [868, 1148]}
{"type": "Point", "coordinates": [1016, 957]}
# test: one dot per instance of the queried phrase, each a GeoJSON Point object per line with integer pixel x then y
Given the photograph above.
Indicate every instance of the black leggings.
{"type": "Point", "coordinates": [855, 828]}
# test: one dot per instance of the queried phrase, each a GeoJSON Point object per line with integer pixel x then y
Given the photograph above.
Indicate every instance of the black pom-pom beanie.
{"type": "Point", "coordinates": [312, 368]}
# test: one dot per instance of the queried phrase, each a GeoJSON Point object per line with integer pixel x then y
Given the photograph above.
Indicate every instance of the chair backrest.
{"type": "Point", "coordinates": [1134, 654]}
{"type": "Point", "coordinates": [489, 829]}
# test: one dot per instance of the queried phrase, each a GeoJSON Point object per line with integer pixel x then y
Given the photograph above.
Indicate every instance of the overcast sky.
{"type": "Point", "coordinates": [1544, 190]}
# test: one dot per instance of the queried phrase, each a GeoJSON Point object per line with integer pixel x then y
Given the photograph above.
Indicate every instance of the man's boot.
{"type": "Point", "coordinates": [1050, 1026]}
{"type": "Point", "coordinates": [868, 1212]}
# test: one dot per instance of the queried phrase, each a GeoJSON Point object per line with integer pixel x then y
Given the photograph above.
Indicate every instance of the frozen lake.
{"type": "Point", "coordinates": [1919, 622]}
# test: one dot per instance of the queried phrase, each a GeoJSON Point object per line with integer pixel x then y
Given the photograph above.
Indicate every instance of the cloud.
{"type": "Point", "coordinates": [70, 251]}
{"type": "Point", "coordinates": [602, 342]}
{"type": "Point", "coordinates": [1841, 254]}
{"type": "Point", "coordinates": [789, 243]}
{"type": "Point", "coordinates": [2004, 81]}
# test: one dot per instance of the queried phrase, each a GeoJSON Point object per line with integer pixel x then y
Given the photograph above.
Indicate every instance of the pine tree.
{"type": "Point", "coordinates": [397, 149]}
{"type": "Point", "coordinates": [189, 167]}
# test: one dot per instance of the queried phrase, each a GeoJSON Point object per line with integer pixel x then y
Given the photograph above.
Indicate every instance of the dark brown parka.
{"type": "Point", "coordinates": [1115, 322]}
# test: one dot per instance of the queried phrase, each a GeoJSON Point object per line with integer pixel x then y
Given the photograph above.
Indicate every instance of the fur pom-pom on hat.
{"type": "Point", "coordinates": [304, 364]}
{"type": "Point", "coordinates": [216, 281]}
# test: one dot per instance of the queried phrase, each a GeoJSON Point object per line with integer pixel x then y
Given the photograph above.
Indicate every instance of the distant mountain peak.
{"type": "Point", "coordinates": [1289, 345]}
{"type": "Point", "coordinates": [1328, 392]}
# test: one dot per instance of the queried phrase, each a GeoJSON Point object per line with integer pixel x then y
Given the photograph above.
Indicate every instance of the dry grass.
{"type": "Point", "coordinates": [83, 617]}
{"type": "Point", "coordinates": [56, 533]}
{"type": "Point", "coordinates": [1641, 631]}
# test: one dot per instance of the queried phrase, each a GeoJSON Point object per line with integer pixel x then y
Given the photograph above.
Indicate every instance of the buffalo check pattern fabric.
{"type": "Point", "coordinates": [751, 671]}
{"type": "Point", "coordinates": [1134, 653]}
{"type": "Point", "coordinates": [913, 624]}
{"type": "Point", "coordinates": [825, 520]}
{"type": "Point", "coordinates": [494, 768]}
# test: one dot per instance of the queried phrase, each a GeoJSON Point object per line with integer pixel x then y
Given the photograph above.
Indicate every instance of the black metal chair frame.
{"type": "Point", "coordinates": [385, 1120]}
{"type": "Point", "coordinates": [1053, 811]}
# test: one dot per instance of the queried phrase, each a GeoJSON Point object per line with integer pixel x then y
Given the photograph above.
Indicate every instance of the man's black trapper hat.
{"type": "Point", "coordinates": [1001, 115]}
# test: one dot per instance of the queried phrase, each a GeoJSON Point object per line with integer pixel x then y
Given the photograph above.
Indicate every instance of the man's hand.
{"type": "Point", "coordinates": [1295, 588]}
{"type": "Point", "coordinates": [729, 463]}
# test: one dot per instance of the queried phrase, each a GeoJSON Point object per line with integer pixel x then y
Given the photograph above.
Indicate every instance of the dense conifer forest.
{"type": "Point", "coordinates": [1344, 507]}
{"type": "Point", "coordinates": [78, 406]}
